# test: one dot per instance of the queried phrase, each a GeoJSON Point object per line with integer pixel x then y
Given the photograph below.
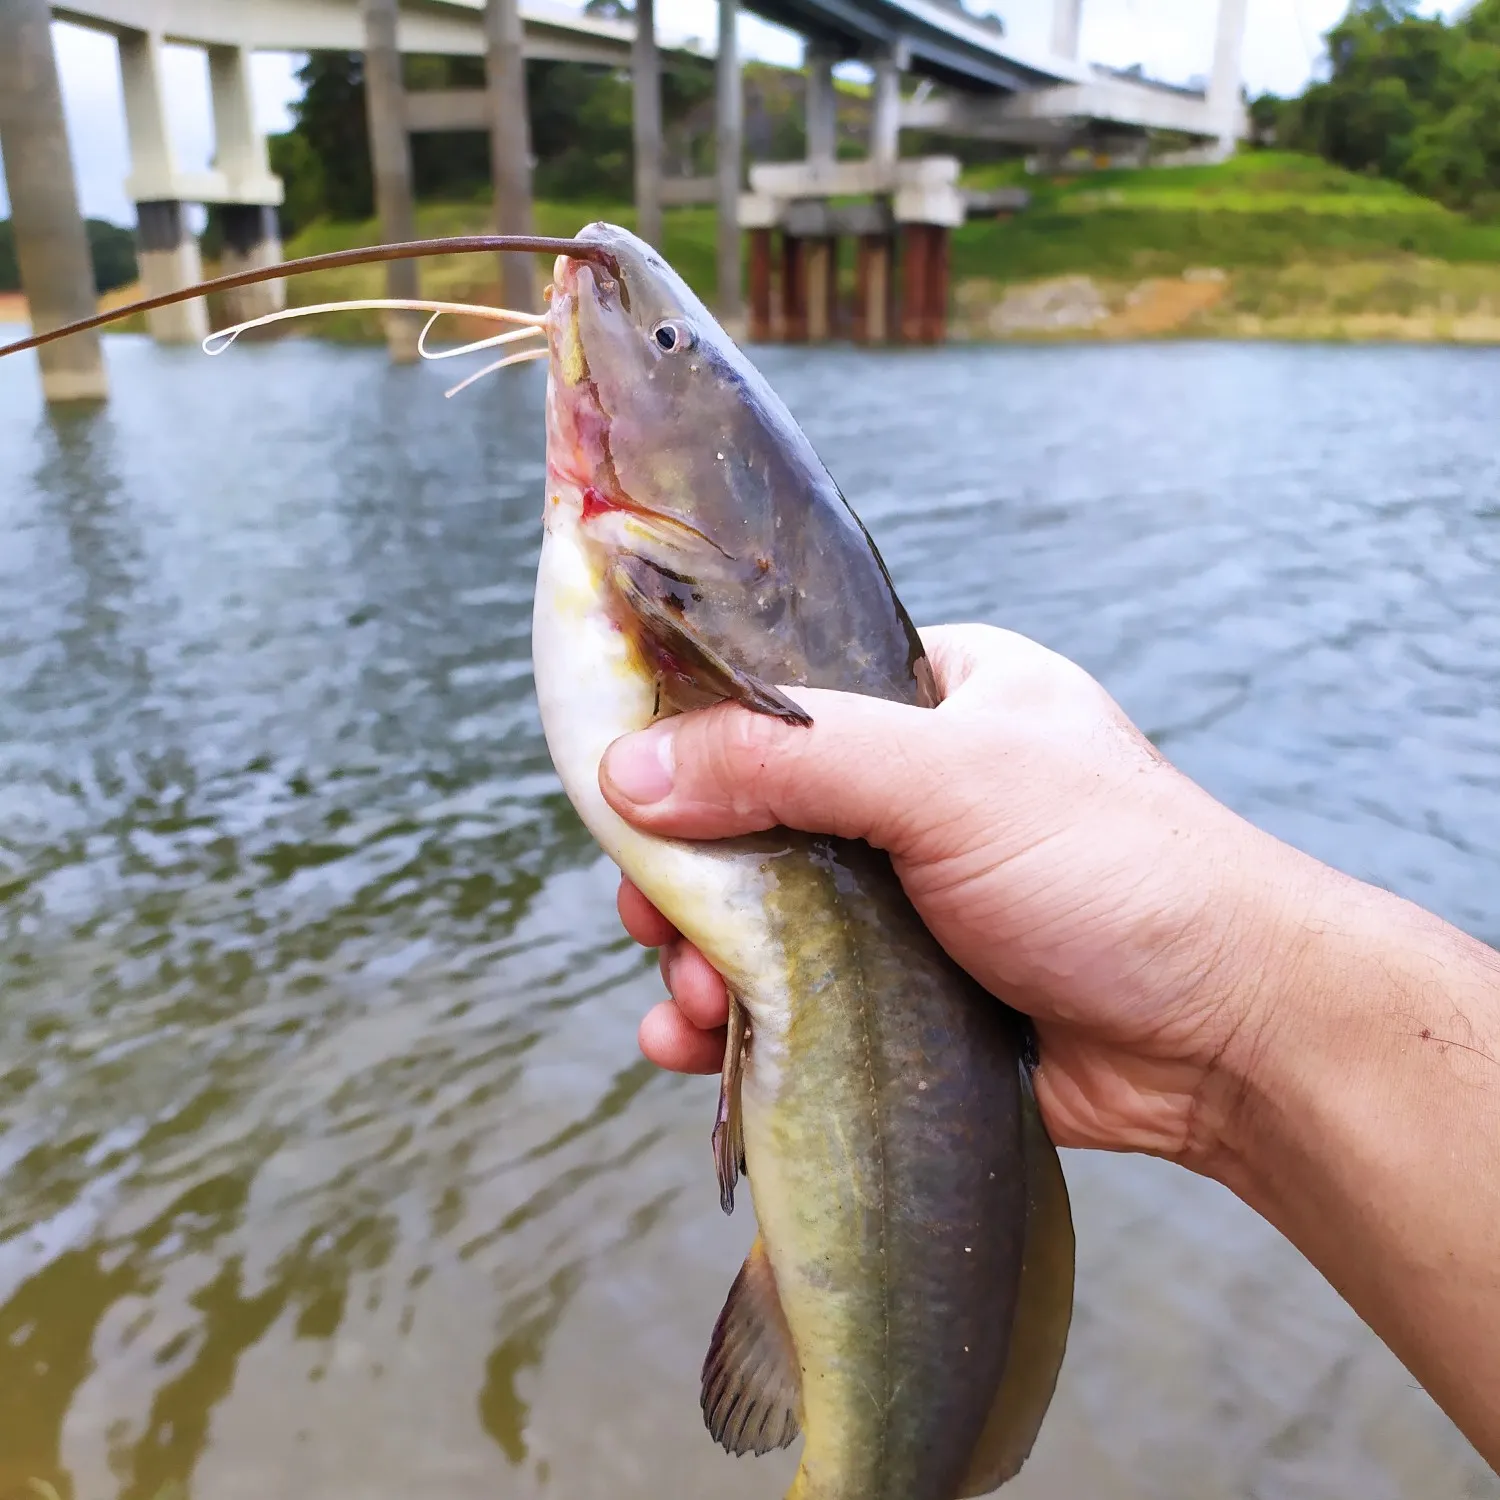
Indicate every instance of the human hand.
{"type": "Point", "coordinates": [1046, 844]}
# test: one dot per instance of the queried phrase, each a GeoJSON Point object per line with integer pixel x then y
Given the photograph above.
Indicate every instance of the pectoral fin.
{"type": "Point", "coordinates": [752, 1384]}
{"type": "Point", "coordinates": [729, 1127]}
{"type": "Point", "coordinates": [1044, 1310]}
{"type": "Point", "coordinates": [658, 604]}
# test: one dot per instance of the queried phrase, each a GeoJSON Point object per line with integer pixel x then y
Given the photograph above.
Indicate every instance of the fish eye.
{"type": "Point", "coordinates": [673, 336]}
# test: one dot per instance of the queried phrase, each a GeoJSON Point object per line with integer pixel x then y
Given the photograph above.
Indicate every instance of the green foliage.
{"type": "Point", "coordinates": [300, 169]}
{"type": "Point", "coordinates": [330, 118]}
{"type": "Point", "coordinates": [111, 248]}
{"type": "Point", "coordinates": [581, 133]}
{"type": "Point", "coordinates": [1257, 211]}
{"type": "Point", "coordinates": [1411, 98]}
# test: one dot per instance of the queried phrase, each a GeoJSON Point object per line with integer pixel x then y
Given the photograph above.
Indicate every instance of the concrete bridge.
{"type": "Point", "coordinates": [975, 81]}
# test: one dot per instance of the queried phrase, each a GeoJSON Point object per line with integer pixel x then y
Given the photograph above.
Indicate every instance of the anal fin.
{"type": "Point", "coordinates": [1044, 1311]}
{"type": "Point", "coordinates": [729, 1125]}
{"type": "Point", "coordinates": [752, 1385]}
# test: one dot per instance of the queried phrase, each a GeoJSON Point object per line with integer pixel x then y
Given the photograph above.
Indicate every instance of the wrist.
{"type": "Point", "coordinates": [1361, 1118]}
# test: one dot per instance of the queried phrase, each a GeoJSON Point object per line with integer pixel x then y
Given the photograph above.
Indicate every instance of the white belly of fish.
{"type": "Point", "coordinates": [591, 688]}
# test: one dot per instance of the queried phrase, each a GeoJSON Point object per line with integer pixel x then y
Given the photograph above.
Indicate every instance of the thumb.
{"type": "Point", "coordinates": [721, 771]}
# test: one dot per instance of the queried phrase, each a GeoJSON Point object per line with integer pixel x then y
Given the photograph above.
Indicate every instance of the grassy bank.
{"type": "Point", "coordinates": [1268, 245]}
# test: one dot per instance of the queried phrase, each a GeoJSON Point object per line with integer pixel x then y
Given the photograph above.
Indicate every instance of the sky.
{"type": "Point", "coordinates": [1172, 39]}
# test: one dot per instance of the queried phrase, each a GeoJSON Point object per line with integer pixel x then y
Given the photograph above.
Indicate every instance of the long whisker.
{"type": "Point", "coordinates": [365, 255]}
{"type": "Point", "coordinates": [510, 359]}
{"type": "Point", "coordinates": [217, 343]}
{"type": "Point", "coordinates": [477, 345]}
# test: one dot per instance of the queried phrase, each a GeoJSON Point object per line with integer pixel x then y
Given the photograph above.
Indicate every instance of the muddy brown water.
{"type": "Point", "coordinates": [328, 1166]}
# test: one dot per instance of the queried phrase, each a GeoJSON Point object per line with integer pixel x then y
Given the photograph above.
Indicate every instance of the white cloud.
{"type": "Point", "coordinates": [1172, 39]}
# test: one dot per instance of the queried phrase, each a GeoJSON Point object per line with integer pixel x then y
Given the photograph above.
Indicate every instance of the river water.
{"type": "Point", "coordinates": [328, 1166]}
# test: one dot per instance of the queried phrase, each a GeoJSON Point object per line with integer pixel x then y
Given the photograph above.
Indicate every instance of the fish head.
{"type": "Point", "coordinates": [713, 523]}
{"type": "Point", "coordinates": [653, 407]}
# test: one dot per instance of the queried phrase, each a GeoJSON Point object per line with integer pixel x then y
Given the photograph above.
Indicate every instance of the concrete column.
{"type": "Point", "coordinates": [252, 240]}
{"type": "Point", "coordinates": [168, 257]}
{"type": "Point", "coordinates": [822, 288]}
{"type": "Point", "coordinates": [872, 297]}
{"type": "Point", "coordinates": [1224, 83]}
{"type": "Point", "coordinates": [821, 106]}
{"type": "Point", "coordinates": [252, 235]}
{"type": "Point", "coordinates": [885, 111]}
{"type": "Point", "coordinates": [510, 146]}
{"type": "Point", "coordinates": [728, 115]}
{"type": "Point", "coordinates": [390, 160]}
{"type": "Point", "coordinates": [1067, 24]}
{"type": "Point", "coordinates": [646, 96]}
{"type": "Point", "coordinates": [167, 252]}
{"type": "Point", "coordinates": [57, 275]}
{"type": "Point", "coordinates": [793, 289]}
{"type": "Point", "coordinates": [760, 286]}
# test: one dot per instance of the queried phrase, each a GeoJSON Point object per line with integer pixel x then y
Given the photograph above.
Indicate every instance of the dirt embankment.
{"type": "Point", "coordinates": [1406, 300]}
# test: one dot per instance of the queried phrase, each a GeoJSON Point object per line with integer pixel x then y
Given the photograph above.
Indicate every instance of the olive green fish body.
{"type": "Point", "coordinates": [882, 1133]}
{"type": "Point", "coordinates": [907, 1303]}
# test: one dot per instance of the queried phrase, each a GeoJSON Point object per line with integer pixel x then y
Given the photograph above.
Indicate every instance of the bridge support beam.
{"type": "Point", "coordinates": [52, 247]}
{"type": "Point", "coordinates": [646, 117]}
{"type": "Point", "coordinates": [821, 107]}
{"type": "Point", "coordinates": [168, 256]}
{"type": "Point", "coordinates": [872, 289]}
{"type": "Point", "coordinates": [1067, 25]}
{"type": "Point", "coordinates": [510, 145]}
{"type": "Point", "coordinates": [390, 159]}
{"type": "Point", "coordinates": [728, 149]}
{"type": "Point", "coordinates": [252, 236]}
{"type": "Point", "coordinates": [885, 111]}
{"type": "Point", "coordinates": [1224, 84]}
{"type": "Point", "coordinates": [167, 250]}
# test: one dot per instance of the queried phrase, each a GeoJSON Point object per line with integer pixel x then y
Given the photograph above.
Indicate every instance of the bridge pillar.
{"type": "Point", "coordinates": [885, 111]}
{"type": "Point", "coordinates": [390, 160]}
{"type": "Point", "coordinates": [1225, 80]}
{"type": "Point", "coordinates": [510, 145]}
{"type": "Point", "coordinates": [762, 326]}
{"type": "Point", "coordinates": [1067, 23]}
{"type": "Point", "coordinates": [872, 289]}
{"type": "Point", "coordinates": [252, 235]}
{"type": "Point", "coordinates": [52, 247]}
{"type": "Point", "coordinates": [728, 150]}
{"type": "Point", "coordinates": [821, 106]}
{"type": "Point", "coordinates": [166, 250]}
{"type": "Point", "coordinates": [646, 116]}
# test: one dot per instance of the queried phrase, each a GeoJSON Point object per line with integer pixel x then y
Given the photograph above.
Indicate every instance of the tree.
{"type": "Point", "coordinates": [1408, 97]}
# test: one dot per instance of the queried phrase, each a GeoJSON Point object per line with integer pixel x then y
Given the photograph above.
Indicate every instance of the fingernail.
{"type": "Point", "coordinates": [640, 766]}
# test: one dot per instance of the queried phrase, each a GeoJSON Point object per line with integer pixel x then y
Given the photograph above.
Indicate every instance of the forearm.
{"type": "Point", "coordinates": [1367, 1129]}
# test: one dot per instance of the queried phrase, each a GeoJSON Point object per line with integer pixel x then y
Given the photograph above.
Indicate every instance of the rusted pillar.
{"type": "Point", "coordinates": [793, 289]}
{"type": "Point", "coordinates": [913, 282]}
{"type": "Point", "coordinates": [52, 245]}
{"type": "Point", "coordinates": [390, 158]}
{"type": "Point", "coordinates": [822, 287]}
{"type": "Point", "coordinates": [760, 286]}
{"type": "Point", "coordinates": [935, 327]}
{"type": "Point", "coordinates": [872, 293]}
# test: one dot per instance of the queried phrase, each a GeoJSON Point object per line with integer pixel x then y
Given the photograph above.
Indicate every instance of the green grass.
{"type": "Point", "coordinates": [1259, 209]}
{"type": "Point", "coordinates": [1281, 224]}
{"type": "Point", "coordinates": [689, 234]}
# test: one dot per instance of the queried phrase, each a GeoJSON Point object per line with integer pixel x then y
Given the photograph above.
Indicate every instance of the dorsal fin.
{"type": "Point", "coordinates": [752, 1384]}
{"type": "Point", "coordinates": [1044, 1309]}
